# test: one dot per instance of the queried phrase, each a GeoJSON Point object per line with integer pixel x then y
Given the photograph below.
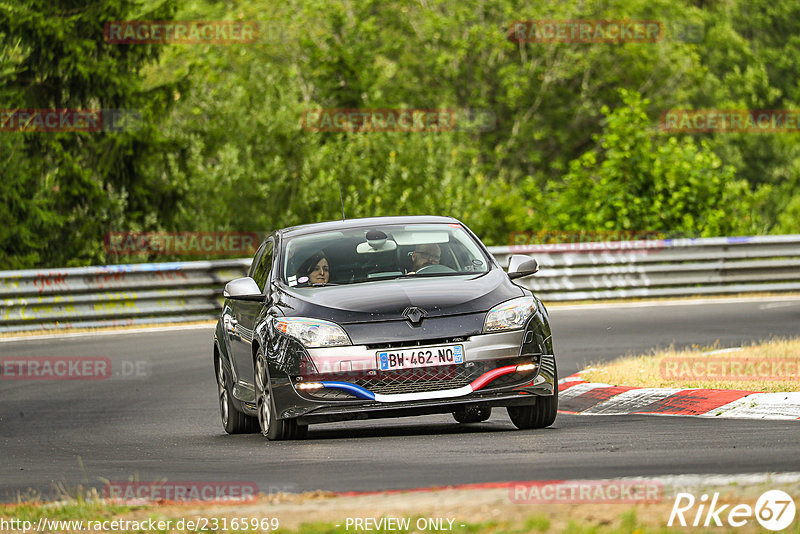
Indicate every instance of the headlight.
{"type": "Point", "coordinates": [313, 332]}
{"type": "Point", "coordinates": [510, 315]}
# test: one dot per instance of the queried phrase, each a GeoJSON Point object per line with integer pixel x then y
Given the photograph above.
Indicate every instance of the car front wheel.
{"type": "Point", "coordinates": [541, 414]}
{"type": "Point", "coordinates": [273, 428]}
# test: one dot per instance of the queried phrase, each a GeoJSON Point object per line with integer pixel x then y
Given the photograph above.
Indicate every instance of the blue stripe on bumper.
{"type": "Point", "coordinates": [358, 391]}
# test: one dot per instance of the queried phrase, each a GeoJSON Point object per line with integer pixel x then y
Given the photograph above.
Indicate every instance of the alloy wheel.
{"type": "Point", "coordinates": [224, 406]}
{"type": "Point", "coordinates": [262, 390]}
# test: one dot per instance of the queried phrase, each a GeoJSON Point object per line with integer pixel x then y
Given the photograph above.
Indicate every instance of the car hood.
{"type": "Point", "coordinates": [387, 300]}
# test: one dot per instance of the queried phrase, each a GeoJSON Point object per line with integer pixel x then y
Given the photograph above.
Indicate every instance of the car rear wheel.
{"type": "Point", "coordinates": [233, 421]}
{"type": "Point", "coordinates": [472, 414]}
{"type": "Point", "coordinates": [273, 428]}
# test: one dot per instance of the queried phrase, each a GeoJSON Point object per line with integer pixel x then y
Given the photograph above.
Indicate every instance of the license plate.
{"type": "Point", "coordinates": [420, 357]}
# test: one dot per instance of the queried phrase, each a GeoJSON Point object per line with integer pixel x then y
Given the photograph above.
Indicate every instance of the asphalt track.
{"type": "Point", "coordinates": [164, 423]}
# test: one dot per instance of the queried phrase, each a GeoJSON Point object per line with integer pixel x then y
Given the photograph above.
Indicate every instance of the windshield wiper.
{"type": "Point", "coordinates": [433, 275]}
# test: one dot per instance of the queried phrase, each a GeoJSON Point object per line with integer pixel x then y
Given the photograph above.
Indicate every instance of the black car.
{"type": "Point", "coordinates": [381, 317]}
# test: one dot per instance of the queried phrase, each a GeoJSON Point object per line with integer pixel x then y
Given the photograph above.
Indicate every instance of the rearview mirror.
{"type": "Point", "coordinates": [377, 241]}
{"type": "Point", "coordinates": [520, 265]}
{"type": "Point", "coordinates": [243, 289]}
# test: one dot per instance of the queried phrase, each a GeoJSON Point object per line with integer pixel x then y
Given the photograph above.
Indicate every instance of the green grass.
{"type": "Point", "coordinates": [653, 370]}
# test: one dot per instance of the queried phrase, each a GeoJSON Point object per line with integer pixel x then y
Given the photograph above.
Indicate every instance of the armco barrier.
{"type": "Point", "coordinates": [663, 268]}
{"type": "Point", "coordinates": [191, 291]}
{"type": "Point", "coordinates": [115, 294]}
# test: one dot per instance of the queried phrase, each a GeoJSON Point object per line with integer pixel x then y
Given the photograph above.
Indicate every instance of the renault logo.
{"type": "Point", "coordinates": [414, 315]}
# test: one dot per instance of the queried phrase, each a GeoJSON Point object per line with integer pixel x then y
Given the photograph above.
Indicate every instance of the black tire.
{"type": "Point", "coordinates": [233, 421]}
{"type": "Point", "coordinates": [541, 414]}
{"type": "Point", "coordinates": [273, 428]}
{"type": "Point", "coordinates": [472, 414]}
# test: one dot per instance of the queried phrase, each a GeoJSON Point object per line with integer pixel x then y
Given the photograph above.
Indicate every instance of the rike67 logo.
{"type": "Point", "coordinates": [774, 510]}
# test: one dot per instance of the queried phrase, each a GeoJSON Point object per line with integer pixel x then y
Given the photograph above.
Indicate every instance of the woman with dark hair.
{"type": "Point", "coordinates": [315, 270]}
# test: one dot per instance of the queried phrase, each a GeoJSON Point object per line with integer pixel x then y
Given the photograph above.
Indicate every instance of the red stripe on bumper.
{"type": "Point", "coordinates": [488, 376]}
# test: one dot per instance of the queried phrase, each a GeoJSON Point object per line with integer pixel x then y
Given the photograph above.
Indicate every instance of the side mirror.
{"type": "Point", "coordinates": [243, 289]}
{"type": "Point", "coordinates": [520, 265]}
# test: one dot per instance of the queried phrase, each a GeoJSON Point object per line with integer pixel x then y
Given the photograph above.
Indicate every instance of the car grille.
{"type": "Point", "coordinates": [419, 380]}
{"type": "Point", "coordinates": [425, 379]}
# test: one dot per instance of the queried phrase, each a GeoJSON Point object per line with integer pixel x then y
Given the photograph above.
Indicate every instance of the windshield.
{"type": "Point", "coordinates": [380, 253]}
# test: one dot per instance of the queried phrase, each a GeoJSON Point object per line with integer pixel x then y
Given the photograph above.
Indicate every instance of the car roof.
{"type": "Point", "coordinates": [364, 222]}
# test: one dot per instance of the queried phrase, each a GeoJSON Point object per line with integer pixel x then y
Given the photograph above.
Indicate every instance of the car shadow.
{"type": "Point", "coordinates": [341, 431]}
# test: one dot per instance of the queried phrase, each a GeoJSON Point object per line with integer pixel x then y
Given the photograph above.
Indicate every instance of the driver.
{"type": "Point", "coordinates": [424, 255]}
{"type": "Point", "coordinates": [315, 270]}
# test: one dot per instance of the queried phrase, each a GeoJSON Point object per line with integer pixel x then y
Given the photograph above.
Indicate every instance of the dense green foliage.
{"type": "Point", "coordinates": [61, 191]}
{"type": "Point", "coordinates": [221, 144]}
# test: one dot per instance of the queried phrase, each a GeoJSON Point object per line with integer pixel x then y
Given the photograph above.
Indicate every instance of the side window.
{"type": "Point", "coordinates": [261, 272]}
{"type": "Point", "coordinates": [257, 257]}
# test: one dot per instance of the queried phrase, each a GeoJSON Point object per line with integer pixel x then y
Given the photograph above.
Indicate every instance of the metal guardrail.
{"type": "Point", "coordinates": [662, 268]}
{"type": "Point", "coordinates": [114, 295]}
{"type": "Point", "coordinates": [191, 291]}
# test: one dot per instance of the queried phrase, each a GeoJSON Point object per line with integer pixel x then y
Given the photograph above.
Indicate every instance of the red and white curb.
{"type": "Point", "coordinates": [577, 396]}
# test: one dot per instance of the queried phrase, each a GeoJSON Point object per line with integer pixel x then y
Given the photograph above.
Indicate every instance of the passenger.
{"type": "Point", "coordinates": [424, 255]}
{"type": "Point", "coordinates": [315, 270]}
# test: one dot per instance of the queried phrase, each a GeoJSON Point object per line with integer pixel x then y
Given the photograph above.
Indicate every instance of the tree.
{"type": "Point", "coordinates": [641, 179]}
{"type": "Point", "coordinates": [65, 190]}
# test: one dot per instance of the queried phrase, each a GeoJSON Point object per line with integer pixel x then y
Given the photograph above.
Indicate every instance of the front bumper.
{"type": "Point", "coordinates": [326, 414]}
{"type": "Point", "coordinates": [353, 387]}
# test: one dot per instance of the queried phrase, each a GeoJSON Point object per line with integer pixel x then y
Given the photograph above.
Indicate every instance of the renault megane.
{"type": "Point", "coordinates": [381, 317]}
